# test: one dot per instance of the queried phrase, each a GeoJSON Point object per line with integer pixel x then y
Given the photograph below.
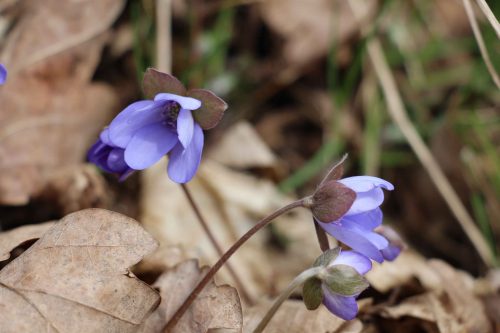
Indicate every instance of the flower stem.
{"type": "Point", "coordinates": [298, 281]}
{"type": "Point", "coordinates": [215, 268]}
{"type": "Point", "coordinates": [218, 249]}
{"type": "Point", "coordinates": [324, 245]}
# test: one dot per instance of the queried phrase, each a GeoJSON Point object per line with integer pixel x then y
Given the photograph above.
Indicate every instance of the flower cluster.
{"type": "Point", "coordinates": [3, 74]}
{"type": "Point", "coordinates": [349, 210]}
{"type": "Point", "coordinates": [168, 124]}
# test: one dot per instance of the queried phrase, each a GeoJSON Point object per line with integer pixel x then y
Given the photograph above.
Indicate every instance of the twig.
{"type": "Point", "coordinates": [206, 228]}
{"type": "Point", "coordinates": [489, 15]}
{"type": "Point", "coordinates": [215, 268]}
{"type": "Point", "coordinates": [398, 114]}
{"type": "Point", "coordinates": [480, 42]}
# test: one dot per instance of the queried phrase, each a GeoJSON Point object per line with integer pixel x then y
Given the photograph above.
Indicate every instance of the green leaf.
{"type": "Point", "coordinates": [311, 292]}
{"type": "Point", "coordinates": [156, 82]}
{"type": "Point", "coordinates": [345, 280]}
{"type": "Point", "coordinates": [211, 110]}
{"type": "Point", "coordinates": [327, 257]}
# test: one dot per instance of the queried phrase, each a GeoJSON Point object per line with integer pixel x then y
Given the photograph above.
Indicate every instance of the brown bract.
{"type": "Point", "coordinates": [212, 107]}
{"type": "Point", "coordinates": [50, 112]}
{"type": "Point", "coordinates": [216, 306]}
{"type": "Point", "coordinates": [76, 278]}
{"type": "Point", "coordinates": [331, 201]}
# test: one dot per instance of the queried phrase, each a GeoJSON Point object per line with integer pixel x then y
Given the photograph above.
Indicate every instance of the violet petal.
{"type": "Point", "coordinates": [184, 162]}
{"type": "Point", "coordinates": [185, 127]}
{"type": "Point", "coordinates": [354, 259]}
{"type": "Point", "coordinates": [187, 103]}
{"type": "Point", "coordinates": [3, 74]}
{"type": "Point", "coordinates": [341, 306]}
{"type": "Point", "coordinates": [149, 145]}
{"type": "Point", "coordinates": [366, 183]}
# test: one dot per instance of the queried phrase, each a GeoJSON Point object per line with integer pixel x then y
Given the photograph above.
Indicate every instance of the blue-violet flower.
{"type": "Point", "coordinates": [356, 227]}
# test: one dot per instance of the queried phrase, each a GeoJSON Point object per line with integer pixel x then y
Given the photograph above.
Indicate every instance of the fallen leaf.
{"type": "Point", "coordinates": [12, 238]}
{"type": "Point", "coordinates": [293, 317]}
{"type": "Point", "coordinates": [76, 278]}
{"type": "Point", "coordinates": [309, 27]}
{"type": "Point", "coordinates": [51, 51]}
{"type": "Point", "coordinates": [216, 306]}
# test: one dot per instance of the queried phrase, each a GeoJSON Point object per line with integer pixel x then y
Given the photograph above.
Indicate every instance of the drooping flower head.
{"type": "Point", "coordinates": [3, 74]}
{"type": "Point", "coordinates": [340, 284]}
{"type": "Point", "coordinates": [171, 122]}
{"type": "Point", "coordinates": [349, 210]}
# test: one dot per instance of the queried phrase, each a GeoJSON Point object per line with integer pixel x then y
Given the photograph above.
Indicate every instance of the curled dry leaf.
{"type": "Point", "coordinates": [76, 278]}
{"type": "Point", "coordinates": [15, 237]}
{"type": "Point", "coordinates": [51, 52]}
{"type": "Point", "coordinates": [293, 317]}
{"type": "Point", "coordinates": [216, 306]}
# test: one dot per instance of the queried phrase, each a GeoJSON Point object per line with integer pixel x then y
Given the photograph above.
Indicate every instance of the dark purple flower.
{"type": "Point", "coordinates": [3, 74]}
{"type": "Point", "coordinates": [343, 306]}
{"type": "Point", "coordinates": [109, 157]}
{"type": "Point", "coordinates": [355, 228]}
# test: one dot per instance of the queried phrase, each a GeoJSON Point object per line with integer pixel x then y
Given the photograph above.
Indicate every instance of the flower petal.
{"type": "Point", "coordinates": [187, 103]}
{"type": "Point", "coordinates": [376, 239]}
{"type": "Point", "coordinates": [368, 220]}
{"type": "Point", "coordinates": [184, 162]}
{"type": "Point", "coordinates": [104, 136]}
{"type": "Point", "coordinates": [3, 74]}
{"type": "Point", "coordinates": [366, 183]}
{"type": "Point", "coordinates": [116, 160]}
{"type": "Point", "coordinates": [149, 145]}
{"type": "Point", "coordinates": [341, 306]}
{"type": "Point", "coordinates": [366, 201]}
{"type": "Point", "coordinates": [391, 252]}
{"type": "Point", "coordinates": [353, 238]}
{"type": "Point", "coordinates": [132, 118]}
{"type": "Point", "coordinates": [354, 259]}
{"type": "Point", "coordinates": [185, 127]}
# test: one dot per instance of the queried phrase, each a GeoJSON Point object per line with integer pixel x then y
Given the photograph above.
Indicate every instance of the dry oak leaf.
{"type": "Point", "coordinates": [293, 317]}
{"type": "Point", "coordinates": [217, 307]}
{"type": "Point", "coordinates": [76, 278]}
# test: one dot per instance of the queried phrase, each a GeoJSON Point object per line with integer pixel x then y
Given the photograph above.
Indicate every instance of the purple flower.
{"type": "Point", "coordinates": [3, 74]}
{"type": "Point", "coordinates": [109, 157]}
{"type": "Point", "coordinates": [343, 306]}
{"type": "Point", "coordinates": [355, 227]}
{"type": "Point", "coordinates": [149, 129]}
{"type": "Point", "coordinates": [170, 123]}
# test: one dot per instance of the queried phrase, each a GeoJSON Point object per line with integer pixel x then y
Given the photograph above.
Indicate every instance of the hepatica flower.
{"type": "Point", "coordinates": [170, 123]}
{"type": "Point", "coordinates": [3, 74]}
{"type": "Point", "coordinates": [349, 210]}
{"type": "Point", "coordinates": [338, 286]}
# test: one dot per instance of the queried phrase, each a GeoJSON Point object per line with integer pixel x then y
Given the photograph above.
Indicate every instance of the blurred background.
{"type": "Point", "coordinates": [302, 88]}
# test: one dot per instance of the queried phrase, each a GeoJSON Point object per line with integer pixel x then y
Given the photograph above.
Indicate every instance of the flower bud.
{"type": "Point", "coordinates": [331, 201]}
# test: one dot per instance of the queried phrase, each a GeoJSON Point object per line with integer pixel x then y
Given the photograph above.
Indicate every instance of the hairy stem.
{"type": "Point", "coordinates": [218, 249]}
{"type": "Point", "coordinates": [215, 268]}
{"type": "Point", "coordinates": [324, 245]}
{"type": "Point", "coordinates": [298, 281]}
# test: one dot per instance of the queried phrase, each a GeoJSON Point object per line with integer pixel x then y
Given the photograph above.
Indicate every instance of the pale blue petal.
{"type": "Point", "coordinates": [184, 162]}
{"type": "Point", "coordinates": [185, 127]}
{"type": "Point", "coordinates": [342, 306]}
{"type": "Point", "coordinates": [368, 220]}
{"type": "Point", "coordinates": [366, 201]}
{"type": "Point", "coordinates": [104, 136]}
{"type": "Point", "coordinates": [354, 259]}
{"type": "Point", "coordinates": [376, 239]}
{"type": "Point", "coordinates": [149, 145]}
{"type": "Point", "coordinates": [133, 118]}
{"type": "Point", "coordinates": [355, 239]}
{"type": "Point", "coordinates": [187, 103]}
{"type": "Point", "coordinates": [366, 183]}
